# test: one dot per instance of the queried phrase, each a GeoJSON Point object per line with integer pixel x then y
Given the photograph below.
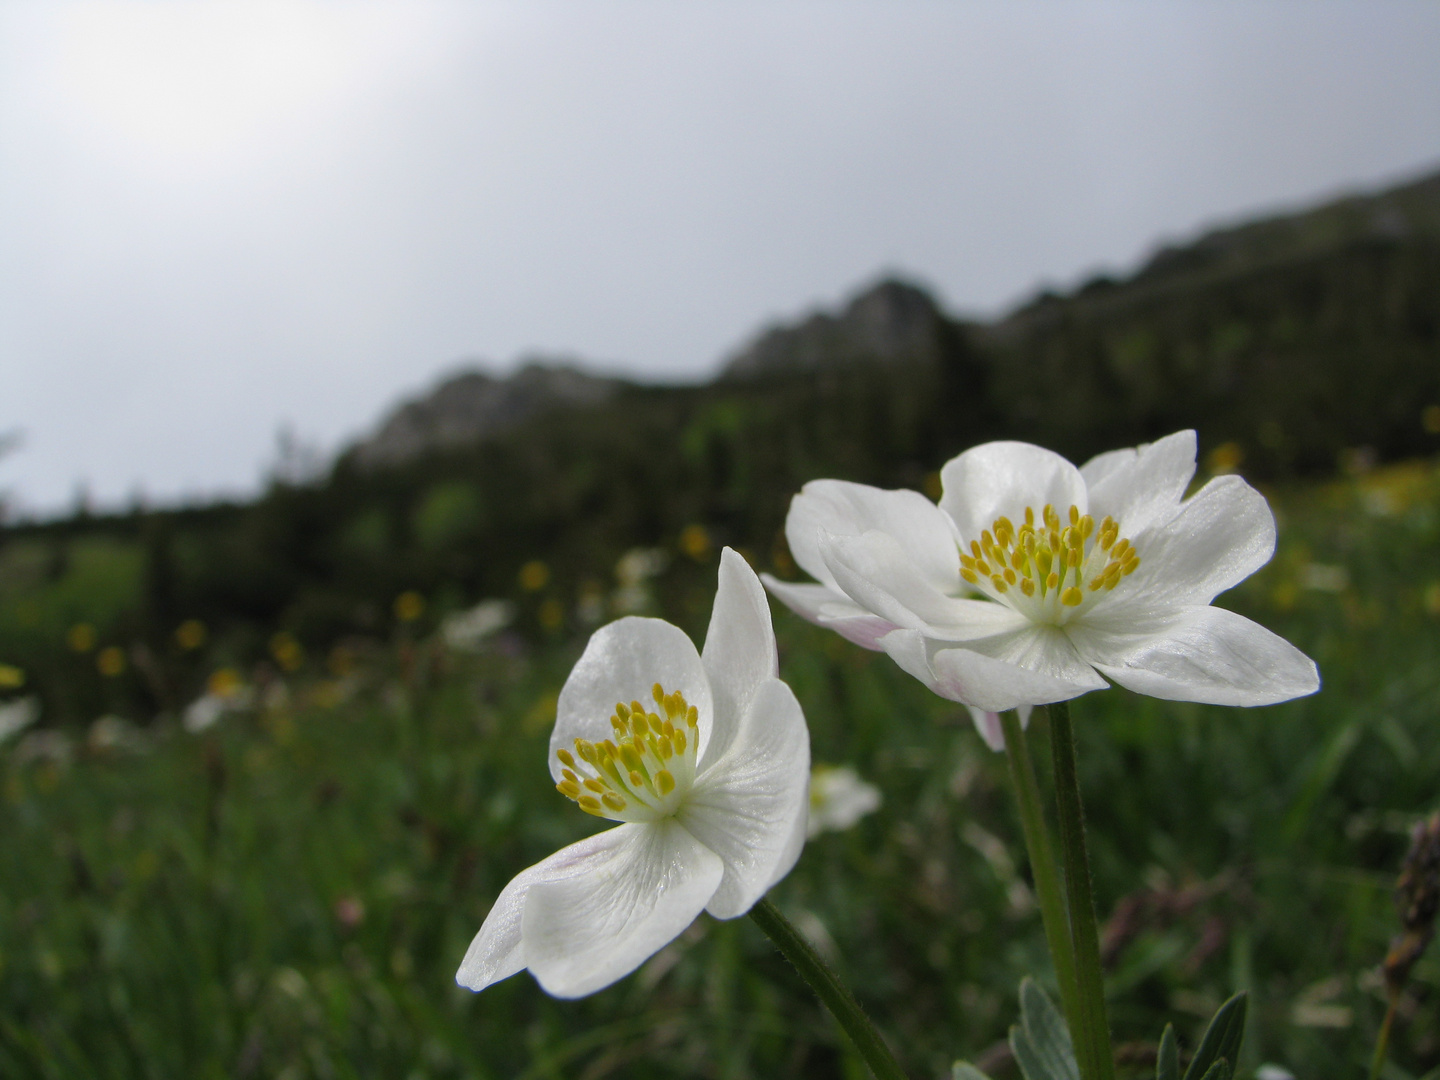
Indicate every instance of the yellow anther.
{"type": "Point", "coordinates": [1120, 549]}
{"type": "Point", "coordinates": [636, 780]}
{"type": "Point", "coordinates": [1072, 597]}
{"type": "Point", "coordinates": [565, 757]}
{"type": "Point", "coordinates": [658, 693]}
{"type": "Point", "coordinates": [664, 782]}
{"type": "Point", "coordinates": [590, 803]}
{"type": "Point", "coordinates": [969, 576]}
{"type": "Point", "coordinates": [611, 750]}
{"type": "Point", "coordinates": [1129, 567]}
{"type": "Point", "coordinates": [692, 716]}
{"type": "Point", "coordinates": [569, 775]}
{"type": "Point", "coordinates": [1097, 582]}
{"type": "Point", "coordinates": [999, 583]}
{"type": "Point", "coordinates": [986, 541]}
{"type": "Point", "coordinates": [569, 789]}
{"type": "Point", "coordinates": [1009, 576]}
{"type": "Point", "coordinates": [629, 757]}
{"type": "Point", "coordinates": [654, 721]}
{"type": "Point", "coordinates": [667, 729]}
{"type": "Point", "coordinates": [595, 786]}
{"type": "Point", "coordinates": [1072, 558]}
{"type": "Point", "coordinates": [613, 801]}
{"type": "Point", "coordinates": [1017, 559]}
{"type": "Point", "coordinates": [982, 567]}
{"type": "Point", "coordinates": [586, 750]}
{"type": "Point", "coordinates": [678, 739]}
{"type": "Point", "coordinates": [638, 725]}
{"type": "Point", "coordinates": [1074, 514]}
{"type": "Point", "coordinates": [1052, 581]}
{"type": "Point", "coordinates": [1027, 586]}
{"type": "Point", "coordinates": [1087, 526]}
{"type": "Point", "coordinates": [967, 562]}
{"type": "Point", "coordinates": [622, 710]}
{"type": "Point", "coordinates": [975, 549]}
{"type": "Point", "coordinates": [1030, 517]}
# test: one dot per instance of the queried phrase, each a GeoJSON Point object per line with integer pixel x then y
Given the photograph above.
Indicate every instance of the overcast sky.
{"type": "Point", "coordinates": [220, 219]}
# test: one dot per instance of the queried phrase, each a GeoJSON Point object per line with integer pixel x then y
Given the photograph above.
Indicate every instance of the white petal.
{"type": "Point", "coordinates": [988, 683]}
{"type": "Point", "coordinates": [1219, 536]}
{"type": "Point", "coordinates": [823, 606]}
{"type": "Point", "coordinates": [1203, 654]}
{"type": "Point", "coordinates": [750, 807]}
{"type": "Point", "coordinates": [622, 662]}
{"type": "Point", "coordinates": [873, 571]}
{"type": "Point", "coordinates": [739, 654]}
{"type": "Point", "coordinates": [1004, 478]}
{"type": "Point", "coordinates": [640, 891]}
{"type": "Point", "coordinates": [988, 725]}
{"type": "Point", "coordinates": [840, 508]}
{"type": "Point", "coordinates": [1140, 485]}
{"type": "Point", "coordinates": [497, 951]}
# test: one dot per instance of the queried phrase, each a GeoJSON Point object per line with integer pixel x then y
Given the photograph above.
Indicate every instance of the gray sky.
{"type": "Point", "coordinates": [219, 219]}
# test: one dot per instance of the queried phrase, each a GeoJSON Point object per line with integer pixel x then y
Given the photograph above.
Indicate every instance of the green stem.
{"type": "Point", "coordinates": [828, 989]}
{"type": "Point", "coordinates": [1042, 867]}
{"type": "Point", "coordinates": [1092, 1047]}
{"type": "Point", "coordinates": [1382, 1041]}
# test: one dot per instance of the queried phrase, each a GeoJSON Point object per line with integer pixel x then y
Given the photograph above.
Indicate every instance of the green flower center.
{"type": "Point", "coordinates": [642, 773]}
{"type": "Point", "coordinates": [1050, 570]}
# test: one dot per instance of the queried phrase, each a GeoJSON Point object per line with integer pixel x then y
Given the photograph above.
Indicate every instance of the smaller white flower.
{"type": "Point", "coordinates": [466, 631]}
{"type": "Point", "coordinates": [17, 715]}
{"type": "Point", "coordinates": [838, 799]}
{"type": "Point", "coordinates": [704, 759]}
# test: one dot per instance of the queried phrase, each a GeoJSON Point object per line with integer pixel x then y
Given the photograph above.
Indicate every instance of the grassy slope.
{"type": "Point", "coordinates": [181, 910]}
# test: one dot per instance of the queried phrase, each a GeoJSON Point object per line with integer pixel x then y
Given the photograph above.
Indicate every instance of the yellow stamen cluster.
{"type": "Point", "coordinates": [1051, 558]}
{"type": "Point", "coordinates": [634, 775]}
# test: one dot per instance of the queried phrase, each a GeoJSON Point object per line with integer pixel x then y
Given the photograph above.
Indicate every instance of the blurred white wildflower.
{"type": "Point", "coordinates": [114, 733]}
{"type": "Point", "coordinates": [224, 693]}
{"type": "Point", "coordinates": [466, 631]}
{"type": "Point", "coordinates": [634, 570]}
{"type": "Point", "coordinates": [838, 799]}
{"type": "Point", "coordinates": [52, 746]}
{"type": "Point", "coordinates": [1273, 1072]}
{"type": "Point", "coordinates": [17, 715]}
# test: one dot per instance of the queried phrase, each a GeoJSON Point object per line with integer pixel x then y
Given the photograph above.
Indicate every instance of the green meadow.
{"type": "Point", "coordinates": [289, 892]}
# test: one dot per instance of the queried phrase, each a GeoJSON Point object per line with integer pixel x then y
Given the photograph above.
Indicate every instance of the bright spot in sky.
{"type": "Point", "coordinates": [221, 218]}
{"type": "Point", "coordinates": [188, 87]}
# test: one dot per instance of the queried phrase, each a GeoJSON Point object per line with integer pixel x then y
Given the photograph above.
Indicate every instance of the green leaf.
{"type": "Point", "coordinates": [1221, 1042]}
{"type": "Point", "coordinates": [1041, 1042]}
{"type": "Point", "coordinates": [1167, 1062]}
{"type": "Point", "coordinates": [1219, 1071]}
{"type": "Point", "coordinates": [963, 1070]}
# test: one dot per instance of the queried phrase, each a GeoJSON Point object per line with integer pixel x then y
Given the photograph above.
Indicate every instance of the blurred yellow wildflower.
{"type": "Point", "coordinates": [552, 614]}
{"type": "Point", "coordinates": [534, 576]}
{"type": "Point", "coordinates": [190, 634]}
{"type": "Point", "coordinates": [695, 542]}
{"type": "Point", "coordinates": [81, 637]}
{"type": "Point", "coordinates": [1225, 458]}
{"type": "Point", "coordinates": [409, 606]}
{"type": "Point", "coordinates": [288, 652]}
{"type": "Point", "coordinates": [111, 661]}
{"type": "Point", "coordinates": [224, 682]}
{"type": "Point", "coordinates": [11, 677]}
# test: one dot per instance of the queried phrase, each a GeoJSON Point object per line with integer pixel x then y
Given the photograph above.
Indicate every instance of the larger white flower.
{"type": "Point", "coordinates": [1033, 578]}
{"type": "Point", "coordinates": [704, 758]}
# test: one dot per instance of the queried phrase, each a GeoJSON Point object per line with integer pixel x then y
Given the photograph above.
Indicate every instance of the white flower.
{"type": "Point", "coordinates": [466, 631]}
{"type": "Point", "coordinates": [1033, 578]}
{"type": "Point", "coordinates": [838, 799]}
{"type": "Point", "coordinates": [703, 757]}
{"type": "Point", "coordinates": [17, 715]}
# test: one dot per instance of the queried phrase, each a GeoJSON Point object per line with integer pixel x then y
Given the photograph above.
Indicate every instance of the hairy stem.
{"type": "Point", "coordinates": [1092, 1040]}
{"type": "Point", "coordinates": [831, 992]}
{"type": "Point", "coordinates": [1042, 866]}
